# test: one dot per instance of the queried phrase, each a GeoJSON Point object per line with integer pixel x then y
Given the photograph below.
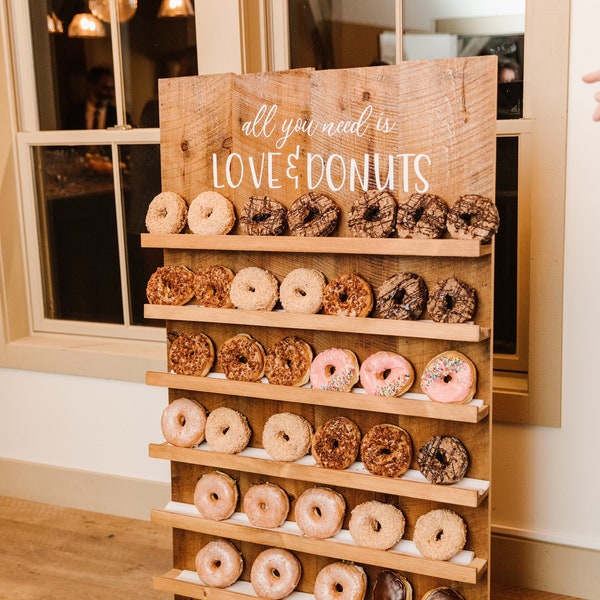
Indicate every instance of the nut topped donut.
{"type": "Point", "coordinates": [473, 217]}
{"type": "Point", "coordinates": [443, 459]}
{"type": "Point", "coordinates": [387, 450]}
{"type": "Point", "coordinates": [313, 215]}
{"type": "Point", "coordinates": [212, 286]}
{"type": "Point", "coordinates": [167, 213]}
{"type": "Point", "coordinates": [262, 215]}
{"type": "Point", "coordinates": [287, 362]}
{"type": "Point", "coordinates": [335, 444]}
{"type": "Point", "coordinates": [422, 216]}
{"type": "Point", "coordinates": [348, 295]}
{"type": "Point", "coordinates": [373, 215]}
{"type": "Point", "coordinates": [402, 296]}
{"type": "Point", "coordinates": [192, 354]}
{"type": "Point", "coordinates": [301, 291]}
{"type": "Point", "coordinates": [242, 358]}
{"type": "Point", "coordinates": [254, 288]}
{"type": "Point", "coordinates": [452, 301]}
{"type": "Point", "coordinates": [171, 285]}
{"type": "Point", "coordinates": [210, 213]}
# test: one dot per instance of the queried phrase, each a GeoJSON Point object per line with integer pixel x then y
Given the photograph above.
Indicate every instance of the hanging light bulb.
{"type": "Point", "coordinates": [176, 8]}
{"type": "Point", "coordinates": [85, 25]}
{"type": "Point", "coordinates": [101, 9]}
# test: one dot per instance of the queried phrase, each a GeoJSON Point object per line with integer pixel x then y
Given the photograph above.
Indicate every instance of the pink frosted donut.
{"type": "Point", "coordinates": [386, 374]}
{"type": "Point", "coordinates": [340, 581]}
{"type": "Point", "coordinates": [219, 563]}
{"type": "Point", "coordinates": [266, 505]}
{"type": "Point", "coordinates": [216, 496]}
{"type": "Point", "coordinates": [334, 369]}
{"type": "Point", "coordinates": [275, 573]}
{"type": "Point", "coordinates": [319, 512]}
{"type": "Point", "coordinates": [449, 377]}
{"type": "Point", "coordinates": [183, 423]}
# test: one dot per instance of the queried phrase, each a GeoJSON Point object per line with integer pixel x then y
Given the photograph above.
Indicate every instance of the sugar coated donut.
{"type": "Point", "coordinates": [262, 215]}
{"type": "Point", "coordinates": [242, 358]}
{"type": "Point", "coordinates": [387, 450]}
{"type": "Point", "coordinates": [210, 213]}
{"type": "Point", "coordinates": [348, 295]}
{"type": "Point", "coordinates": [313, 215]}
{"type": "Point", "coordinates": [275, 573]}
{"type": "Point", "coordinates": [171, 284]}
{"type": "Point", "coordinates": [183, 422]}
{"type": "Point", "coordinates": [212, 286]}
{"type": "Point", "coordinates": [440, 534]}
{"type": "Point", "coordinates": [473, 217]}
{"type": "Point", "coordinates": [192, 354]}
{"type": "Point", "coordinates": [215, 496]}
{"type": "Point", "coordinates": [422, 216]}
{"type": "Point", "coordinates": [334, 369]}
{"type": "Point", "coordinates": [402, 296]}
{"type": "Point", "coordinates": [373, 215]}
{"type": "Point", "coordinates": [167, 213]}
{"type": "Point", "coordinates": [287, 362]}
{"type": "Point", "coordinates": [392, 586]}
{"type": "Point", "coordinates": [443, 459]}
{"type": "Point", "coordinates": [287, 436]}
{"type": "Point", "coordinates": [449, 377]}
{"type": "Point", "coordinates": [219, 563]}
{"type": "Point", "coordinates": [227, 430]}
{"type": "Point", "coordinates": [443, 593]}
{"type": "Point", "coordinates": [319, 512]}
{"type": "Point", "coordinates": [254, 288]}
{"type": "Point", "coordinates": [376, 525]}
{"type": "Point", "coordinates": [340, 581]}
{"type": "Point", "coordinates": [336, 443]}
{"type": "Point", "coordinates": [301, 291]}
{"type": "Point", "coordinates": [386, 374]}
{"type": "Point", "coordinates": [266, 505]}
{"type": "Point", "coordinates": [452, 301]}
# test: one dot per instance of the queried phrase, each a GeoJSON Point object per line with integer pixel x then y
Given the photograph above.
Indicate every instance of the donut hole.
{"type": "Point", "coordinates": [384, 374]}
{"type": "Point", "coordinates": [181, 420]}
{"type": "Point", "coordinates": [439, 535]}
{"type": "Point", "coordinates": [317, 512]}
{"type": "Point", "coordinates": [338, 587]}
{"type": "Point", "coordinates": [375, 525]}
{"type": "Point", "coordinates": [343, 296]}
{"type": "Point", "coordinates": [449, 302]}
{"type": "Point", "coordinates": [418, 213]}
{"type": "Point", "coordinates": [372, 214]}
{"type": "Point", "coordinates": [242, 359]}
{"type": "Point", "coordinates": [217, 564]}
{"type": "Point", "coordinates": [261, 217]}
{"type": "Point", "coordinates": [311, 215]}
{"type": "Point", "coordinates": [263, 506]}
{"type": "Point", "coordinates": [399, 296]}
{"type": "Point", "coordinates": [441, 458]}
{"type": "Point", "coordinates": [447, 378]}
{"type": "Point", "coordinates": [275, 572]}
{"type": "Point", "coordinates": [225, 431]}
{"type": "Point", "coordinates": [385, 451]}
{"type": "Point", "coordinates": [214, 496]}
{"type": "Point", "coordinates": [301, 292]}
{"type": "Point", "coordinates": [468, 218]}
{"type": "Point", "coordinates": [330, 370]}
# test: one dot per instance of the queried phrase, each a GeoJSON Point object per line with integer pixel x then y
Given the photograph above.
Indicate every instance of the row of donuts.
{"type": "Point", "coordinates": [373, 214]}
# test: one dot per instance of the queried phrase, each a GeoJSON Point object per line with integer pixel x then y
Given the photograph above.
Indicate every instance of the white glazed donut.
{"type": "Point", "coordinates": [254, 288]}
{"type": "Point", "coordinates": [210, 213]}
{"type": "Point", "coordinates": [266, 505]}
{"type": "Point", "coordinates": [376, 525]}
{"type": "Point", "coordinates": [215, 496]}
{"type": "Point", "coordinates": [167, 213]}
{"type": "Point", "coordinates": [219, 563]}
{"type": "Point", "coordinates": [319, 512]}
{"type": "Point", "coordinates": [183, 423]}
{"type": "Point", "coordinates": [341, 581]}
{"type": "Point", "coordinates": [275, 573]}
{"type": "Point", "coordinates": [386, 374]}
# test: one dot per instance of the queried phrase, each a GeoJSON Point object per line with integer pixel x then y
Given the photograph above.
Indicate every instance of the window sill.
{"type": "Point", "coordinates": [511, 397]}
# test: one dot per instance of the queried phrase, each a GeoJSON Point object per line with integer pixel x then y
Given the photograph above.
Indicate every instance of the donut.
{"type": "Point", "coordinates": [167, 213]}
{"type": "Point", "coordinates": [301, 291]}
{"type": "Point", "coordinates": [402, 296]}
{"type": "Point", "coordinates": [449, 377]}
{"type": "Point", "coordinates": [183, 423]}
{"type": "Point", "coordinates": [336, 443]}
{"type": "Point", "coordinates": [172, 285]}
{"type": "Point", "coordinates": [212, 286]}
{"type": "Point", "coordinates": [263, 216]}
{"type": "Point", "coordinates": [334, 369]}
{"type": "Point", "coordinates": [275, 573]}
{"type": "Point", "coordinates": [215, 496]}
{"type": "Point", "coordinates": [440, 534]}
{"type": "Point", "coordinates": [376, 525]}
{"type": "Point", "coordinates": [386, 374]}
{"type": "Point", "coordinates": [422, 216]}
{"type": "Point", "coordinates": [227, 430]}
{"type": "Point", "coordinates": [287, 436]}
{"type": "Point", "coordinates": [192, 354]}
{"type": "Point", "coordinates": [313, 215]}
{"type": "Point", "coordinates": [392, 586]}
{"type": "Point", "coordinates": [219, 563]}
{"type": "Point", "coordinates": [340, 581]}
{"type": "Point", "coordinates": [443, 593]}
{"type": "Point", "coordinates": [443, 459]}
{"type": "Point", "coordinates": [242, 358]}
{"type": "Point", "coordinates": [348, 295]}
{"type": "Point", "coordinates": [473, 217]}
{"type": "Point", "coordinates": [319, 512]}
{"type": "Point", "coordinates": [387, 450]}
{"type": "Point", "coordinates": [452, 301]}
{"type": "Point", "coordinates": [266, 505]}
{"type": "Point", "coordinates": [210, 213]}
{"type": "Point", "coordinates": [287, 362]}
{"type": "Point", "coordinates": [373, 215]}
{"type": "Point", "coordinates": [254, 288]}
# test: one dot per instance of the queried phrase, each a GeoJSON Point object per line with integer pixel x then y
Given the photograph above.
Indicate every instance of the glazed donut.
{"type": "Point", "coordinates": [227, 430]}
{"type": "Point", "coordinates": [443, 593]}
{"type": "Point", "coordinates": [210, 213]}
{"type": "Point", "coordinates": [473, 217]}
{"type": "Point", "coordinates": [167, 213]}
{"type": "Point", "coordinates": [301, 291]}
{"type": "Point", "coordinates": [219, 563]}
{"type": "Point", "coordinates": [386, 374]}
{"type": "Point", "coordinates": [319, 512]}
{"type": "Point", "coordinates": [287, 436]}
{"type": "Point", "coordinates": [336, 443]}
{"type": "Point", "coordinates": [452, 301]}
{"type": "Point", "coordinates": [212, 286]}
{"type": "Point", "coordinates": [172, 285]}
{"type": "Point", "coordinates": [334, 369]}
{"type": "Point", "coordinates": [402, 296]}
{"type": "Point", "coordinates": [242, 358]}
{"type": "Point", "coordinates": [313, 214]}
{"type": "Point", "coordinates": [449, 377]}
{"type": "Point", "coordinates": [192, 354]}
{"type": "Point", "coordinates": [340, 581]}
{"type": "Point", "coordinates": [266, 505]}
{"type": "Point", "coordinates": [373, 215]}
{"type": "Point", "coordinates": [254, 288]}
{"type": "Point", "coordinates": [440, 534]}
{"type": "Point", "coordinates": [422, 216]}
{"type": "Point", "coordinates": [443, 460]}
{"type": "Point", "coordinates": [392, 586]}
{"type": "Point", "coordinates": [263, 216]}
{"type": "Point", "coordinates": [275, 573]}
{"type": "Point", "coordinates": [287, 362]}
{"type": "Point", "coordinates": [183, 423]}
{"type": "Point", "coordinates": [216, 496]}
{"type": "Point", "coordinates": [348, 295]}
{"type": "Point", "coordinates": [387, 450]}
{"type": "Point", "coordinates": [376, 525]}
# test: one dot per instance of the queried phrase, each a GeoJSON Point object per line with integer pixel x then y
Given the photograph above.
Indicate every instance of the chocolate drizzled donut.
{"type": "Point", "coordinates": [373, 215]}
{"type": "Point", "coordinates": [313, 214]}
{"type": "Point", "coordinates": [473, 217]}
{"type": "Point", "coordinates": [452, 301]}
{"type": "Point", "coordinates": [402, 296]}
{"type": "Point", "coordinates": [443, 459]}
{"type": "Point", "coordinates": [262, 215]}
{"type": "Point", "coordinates": [422, 216]}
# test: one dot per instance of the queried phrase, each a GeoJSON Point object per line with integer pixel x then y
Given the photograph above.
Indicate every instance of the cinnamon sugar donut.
{"type": "Point", "coordinates": [313, 214]}
{"type": "Point", "coordinates": [443, 593]}
{"type": "Point", "coordinates": [183, 422]}
{"type": "Point", "coordinates": [440, 534]}
{"type": "Point", "coordinates": [376, 525]}
{"type": "Point", "coordinates": [473, 217]}
{"type": "Point", "coordinates": [340, 581]}
{"type": "Point", "coordinates": [301, 291]}
{"type": "Point", "coordinates": [336, 443]}
{"type": "Point", "coordinates": [262, 215]}
{"type": "Point", "coordinates": [287, 436]}
{"type": "Point", "coordinates": [266, 505]}
{"type": "Point", "coordinates": [171, 285]}
{"type": "Point", "coordinates": [422, 216]}
{"type": "Point", "coordinates": [386, 374]}
{"type": "Point", "coordinates": [210, 213]}
{"type": "Point", "coordinates": [443, 460]}
{"type": "Point", "coordinates": [219, 563]}
{"type": "Point", "coordinates": [167, 213]}
{"type": "Point", "coordinates": [287, 362]}
{"type": "Point", "coordinates": [387, 450]}
{"type": "Point", "coordinates": [392, 586]}
{"type": "Point", "coordinates": [449, 377]}
{"type": "Point", "coordinates": [452, 301]}
{"type": "Point", "coordinates": [319, 512]}
{"type": "Point", "coordinates": [212, 286]}
{"type": "Point", "coordinates": [402, 296]}
{"type": "Point", "coordinates": [227, 430]}
{"type": "Point", "coordinates": [254, 288]}
{"type": "Point", "coordinates": [192, 354]}
{"type": "Point", "coordinates": [242, 358]}
{"type": "Point", "coordinates": [334, 369]}
{"type": "Point", "coordinates": [275, 573]}
{"type": "Point", "coordinates": [373, 215]}
{"type": "Point", "coordinates": [348, 295]}
{"type": "Point", "coordinates": [215, 496]}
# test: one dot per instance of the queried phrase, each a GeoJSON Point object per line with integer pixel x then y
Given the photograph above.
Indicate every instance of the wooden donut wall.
{"type": "Point", "coordinates": [443, 110]}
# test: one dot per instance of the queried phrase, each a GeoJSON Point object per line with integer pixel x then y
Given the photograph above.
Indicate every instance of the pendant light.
{"type": "Point", "coordinates": [176, 8]}
{"type": "Point", "coordinates": [86, 25]}
{"type": "Point", "coordinates": [101, 9]}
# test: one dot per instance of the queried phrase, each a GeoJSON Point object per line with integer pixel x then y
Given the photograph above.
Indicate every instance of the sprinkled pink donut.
{"type": "Point", "coordinates": [386, 374]}
{"type": "Point", "coordinates": [334, 369]}
{"type": "Point", "coordinates": [219, 563]}
{"type": "Point", "coordinates": [449, 377]}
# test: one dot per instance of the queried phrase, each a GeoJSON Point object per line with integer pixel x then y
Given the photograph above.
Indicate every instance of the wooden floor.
{"type": "Point", "coordinates": [53, 553]}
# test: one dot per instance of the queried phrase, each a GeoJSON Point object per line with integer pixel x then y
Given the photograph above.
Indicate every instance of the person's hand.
{"type": "Point", "coordinates": [594, 77]}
